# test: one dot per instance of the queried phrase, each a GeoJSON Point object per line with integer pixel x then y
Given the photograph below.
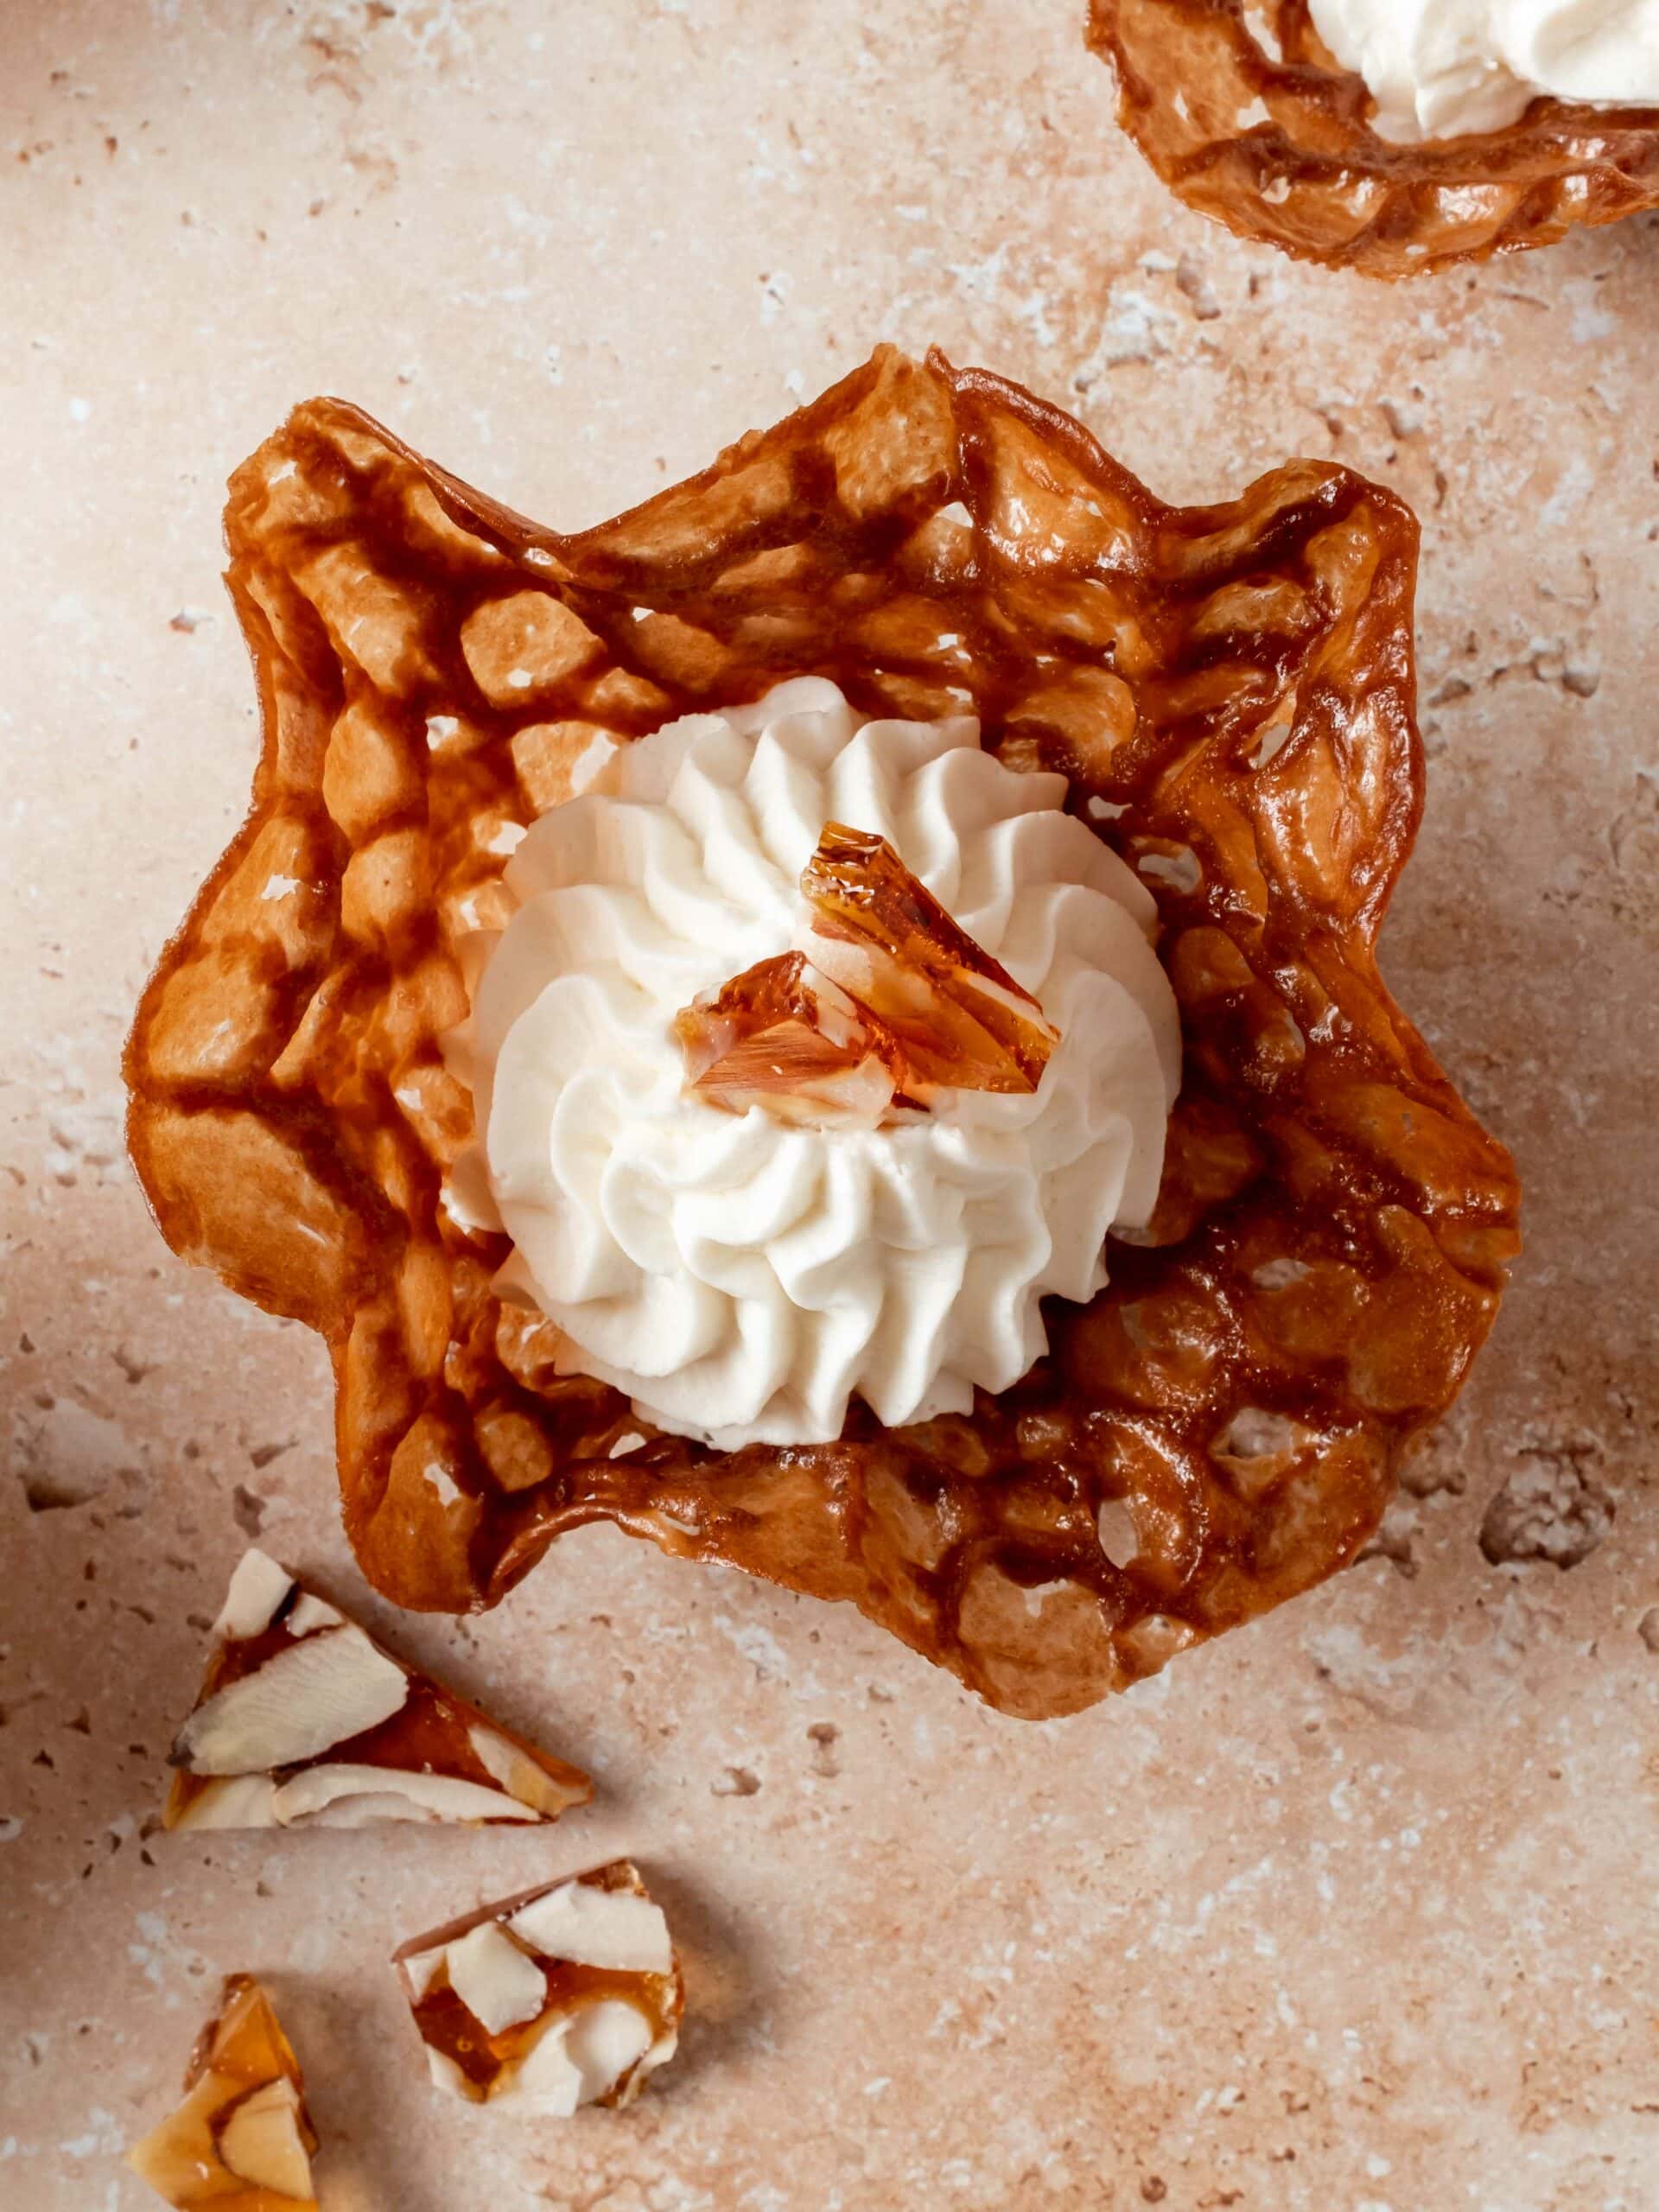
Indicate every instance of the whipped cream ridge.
{"type": "Point", "coordinates": [1440, 68]}
{"type": "Point", "coordinates": [740, 1277]}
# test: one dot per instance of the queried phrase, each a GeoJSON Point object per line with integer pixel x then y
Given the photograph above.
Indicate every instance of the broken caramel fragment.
{"type": "Point", "coordinates": [781, 1036]}
{"type": "Point", "coordinates": [569, 1994]}
{"type": "Point", "coordinates": [893, 1000]}
{"type": "Point", "coordinates": [242, 2140]}
{"type": "Point", "coordinates": [302, 1717]}
{"type": "Point", "coordinates": [958, 1017]}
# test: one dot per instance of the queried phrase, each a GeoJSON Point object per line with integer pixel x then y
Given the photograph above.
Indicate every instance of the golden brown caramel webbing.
{"type": "Point", "coordinates": [1229, 689]}
{"type": "Point", "coordinates": [1278, 146]}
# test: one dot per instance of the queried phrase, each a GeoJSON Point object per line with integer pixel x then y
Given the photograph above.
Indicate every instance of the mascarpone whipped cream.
{"type": "Point", "coordinates": [1439, 69]}
{"type": "Point", "coordinates": [739, 1276]}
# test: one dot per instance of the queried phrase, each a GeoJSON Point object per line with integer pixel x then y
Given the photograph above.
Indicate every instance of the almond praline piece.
{"type": "Point", "coordinates": [565, 1995]}
{"type": "Point", "coordinates": [1246, 117]}
{"type": "Point", "coordinates": [303, 1720]}
{"type": "Point", "coordinates": [782, 1036]}
{"type": "Point", "coordinates": [895, 999]}
{"type": "Point", "coordinates": [242, 2139]}
{"type": "Point", "coordinates": [1230, 690]}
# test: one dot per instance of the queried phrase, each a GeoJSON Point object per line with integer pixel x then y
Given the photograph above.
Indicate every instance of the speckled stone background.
{"type": "Point", "coordinates": [1350, 1912]}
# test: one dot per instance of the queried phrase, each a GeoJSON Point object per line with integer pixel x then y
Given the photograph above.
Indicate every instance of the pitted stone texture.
{"type": "Point", "coordinates": [1352, 1909]}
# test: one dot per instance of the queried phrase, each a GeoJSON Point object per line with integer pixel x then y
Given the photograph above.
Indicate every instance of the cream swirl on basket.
{"type": "Point", "coordinates": [741, 1277]}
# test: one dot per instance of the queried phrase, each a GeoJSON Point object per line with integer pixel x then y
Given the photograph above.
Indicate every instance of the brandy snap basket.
{"type": "Point", "coordinates": [1246, 117]}
{"type": "Point", "coordinates": [1230, 690]}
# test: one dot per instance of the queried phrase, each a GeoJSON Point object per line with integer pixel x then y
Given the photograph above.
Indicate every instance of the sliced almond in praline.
{"type": "Point", "coordinates": [520, 1773]}
{"type": "Point", "coordinates": [334, 1787]}
{"type": "Point", "coordinates": [580, 2059]}
{"type": "Point", "coordinates": [591, 1926]}
{"type": "Point", "coordinates": [960, 1020]}
{"type": "Point", "coordinates": [303, 1718]}
{"type": "Point", "coordinates": [262, 2143]}
{"type": "Point", "coordinates": [322, 1690]}
{"type": "Point", "coordinates": [498, 1981]}
{"type": "Point", "coordinates": [230, 1801]}
{"type": "Point", "coordinates": [259, 1587]}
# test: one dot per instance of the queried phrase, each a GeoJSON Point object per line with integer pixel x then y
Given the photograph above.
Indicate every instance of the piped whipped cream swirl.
{"type": "Point", "coordinates": [1440, 68]}
{"type": "Point", "coordinates": [741, 1277]}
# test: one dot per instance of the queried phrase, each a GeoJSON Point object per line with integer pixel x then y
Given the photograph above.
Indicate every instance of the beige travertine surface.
{"type": "Point", "coordinates": [1351, 1910]}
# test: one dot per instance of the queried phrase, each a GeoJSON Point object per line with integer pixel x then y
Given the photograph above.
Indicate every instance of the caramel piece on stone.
{"type": "Point", "coordinates": [569, 1994]}
{"type": "Point", "coordinates": [242, 2139]}
{"type": "Point", "coordinates": [303, 1719]}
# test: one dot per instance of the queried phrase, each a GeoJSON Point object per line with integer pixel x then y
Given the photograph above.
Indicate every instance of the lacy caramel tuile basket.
{"type": "Point", "coordinates": [1229, 689]}
{"type": "Point", "coordinates": [1246, 116]}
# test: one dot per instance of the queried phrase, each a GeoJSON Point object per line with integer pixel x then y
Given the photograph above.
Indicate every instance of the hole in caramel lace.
{"type": "Point", "coordinates": [1118, 1536]}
